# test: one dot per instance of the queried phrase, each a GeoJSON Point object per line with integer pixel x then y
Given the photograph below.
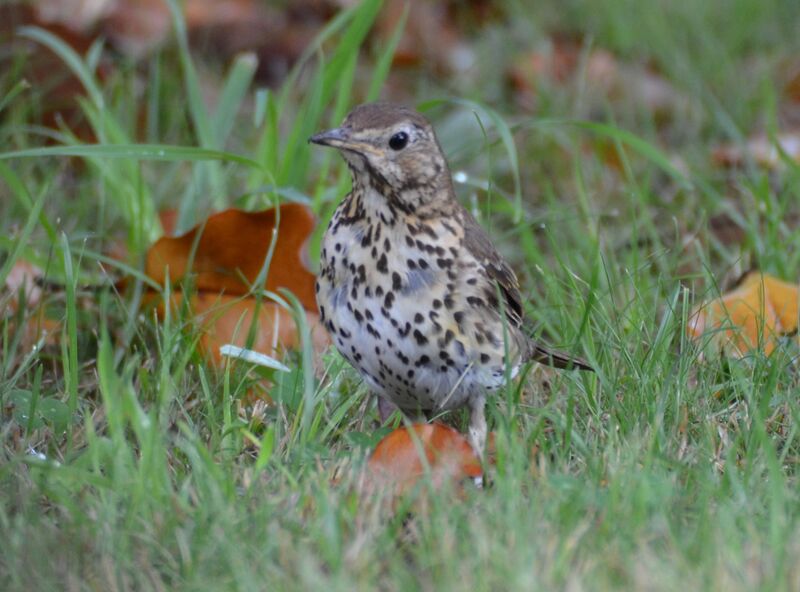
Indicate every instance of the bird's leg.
{"type": "Point", "coordinates": [385, 408]}
{"type": "Point", "coordinates": [477, 425]}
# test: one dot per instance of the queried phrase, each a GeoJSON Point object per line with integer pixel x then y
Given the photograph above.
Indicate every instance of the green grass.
{"type": "Point", "coordinates": [129, 462]}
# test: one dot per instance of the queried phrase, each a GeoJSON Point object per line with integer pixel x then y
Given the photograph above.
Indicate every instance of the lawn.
{"type": "Point", "coordinates": [594, 140]}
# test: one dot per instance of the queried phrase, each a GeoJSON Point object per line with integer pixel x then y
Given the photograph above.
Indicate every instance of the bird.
{"type": "Point", "coordinates": [411, 289]}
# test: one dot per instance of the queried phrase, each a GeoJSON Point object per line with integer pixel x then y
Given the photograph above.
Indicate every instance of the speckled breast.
{"type": "Point", "coordinates": [408, 309]}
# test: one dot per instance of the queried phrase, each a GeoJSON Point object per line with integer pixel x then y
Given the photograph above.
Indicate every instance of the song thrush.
{"type": "Point", "coordinates": [411, 288]}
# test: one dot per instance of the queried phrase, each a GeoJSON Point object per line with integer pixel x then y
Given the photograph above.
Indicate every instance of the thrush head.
{"type": "Point", "coordinates": [394, 150]}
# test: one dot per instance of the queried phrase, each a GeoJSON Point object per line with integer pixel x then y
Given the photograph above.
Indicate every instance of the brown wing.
{"type": "Point", "coordinates": [480, 245]}
{"type": "Point", "coordinates": [557, 359]}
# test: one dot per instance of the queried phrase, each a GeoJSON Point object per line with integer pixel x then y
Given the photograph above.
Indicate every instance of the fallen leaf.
{"type": "Point", "coordinates": [791, 88]}
{"type": "Point", "coordinates": [118, 248]}
{"type": "Point", "coordinates": [225, 320]}
{"type": "Point", "coordinates": [40, 331]}
{"type": "Point", "coordinates": [169, 220]}
{"type": "Point", "coordinates": [23, 284]}
{"type": "Point", "coordinates": [396, 464]}
{"type": "Point", "coordinates": [756, 314]}
{"type": "Point", "coordinates": [225, 256]}
{"type": "Point", "coordinates": [762, 150]}
{"type": "Point", "coordinates": [430, 37]}
{"type": "Point", "coordinates": [565, 59]}
{"type": "Point", "coordinates": [137, 27]}
{"type": "Point", "coordinates": [555, 61]}
{"type": "Point", "coordinates": [24, 277]}
{"type": "Point", "coordinates": [231, 250]}
{"type": "Point", "coordinates": [788, 80]}
{"type": "Point", "coordinates": [53, 86]}
{"type": "Point", "coordinates": [726, 230]}
{"type": "Point", "coordinates": [77, 15]}
{"type": "Point", "coordinates": [204, 13]}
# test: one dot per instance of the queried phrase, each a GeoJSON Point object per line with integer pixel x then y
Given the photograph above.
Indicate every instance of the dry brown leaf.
{"type": "Point", "coordinates": [761, 149]}
{"type": "Point", "coordinates": [204, 13]}
{"type": "Point", "coordinates": [224, 319]}
{"type": "Point", "coordinates": [566, 59]}
{"type": "Point", "coordinates": [53, 84]}
{"type": "Point", "coordinates": [137, 27]}
{"type": "Point", "coordinates": [430, 37]}
{"type": "Point", "coordinates": [277, 34]}
{"type": "Point", "coordinates": [169, 220]}
{"type": "Point", "coordinates": [789, 106]}
{"type": "Point", "coordinates": [23, 285]}
{"type": "Point", "coordinates": [78, 15]}
{"type": "Point", "coordinates": [24, 276]}
{"type": "Point", "coordinates": [556, 61]}
{"type": "Point", "coordinates": [118, 248]}
{"type": "Point", "coordinates": [756, 314]}
{"type": "Point", "coordinates": [726, 230]}
{"type": "Point", "coordinates": [396, 464]}
{"type": "Point", "coordinates": [233, 245]}
{"type": "Point", "coordinates": [791, 90]}
{"type": "Point", "coordinates": [39, 330]}
{"type": "Point", "coordinates": [228, 247]}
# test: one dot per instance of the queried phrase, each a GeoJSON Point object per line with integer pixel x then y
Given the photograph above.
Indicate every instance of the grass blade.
{"type": "Point", "coordinates": [133, 151]}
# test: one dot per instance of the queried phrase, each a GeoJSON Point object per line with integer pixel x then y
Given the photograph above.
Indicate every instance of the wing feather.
{"type": "Point", "coordinates": [480, 246]}
{"type": "Point", "coordinates": [478, 243]}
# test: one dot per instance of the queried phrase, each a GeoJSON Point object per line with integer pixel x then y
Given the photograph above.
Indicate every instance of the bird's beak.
{"type": "Point", "coordinates": [336, 137]}
{"type": "Point", "coordinates": [340, 138]}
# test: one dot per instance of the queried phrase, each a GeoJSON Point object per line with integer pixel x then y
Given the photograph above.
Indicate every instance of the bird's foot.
{"type": "Point", "coordinates": [476, 435]}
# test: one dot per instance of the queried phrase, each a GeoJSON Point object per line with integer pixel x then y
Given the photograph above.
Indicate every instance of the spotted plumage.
{"type": "Point", "coordinates": [411, 289]}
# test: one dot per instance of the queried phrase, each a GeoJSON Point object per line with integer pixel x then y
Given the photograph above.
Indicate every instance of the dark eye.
{"type": "Point", "coordinates": [398, 141]}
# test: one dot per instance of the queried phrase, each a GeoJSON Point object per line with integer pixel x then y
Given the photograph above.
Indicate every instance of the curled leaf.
{"type": "Point", "coordinates": [230, 320]}
{"type": "Point", "coordinates": [754, 315]}
{"type": "Point", "coordinates": [226, 256]}
{"type": "Point", "coordinates": [227, 253]}
{"type": "Point", "coordinates": [404, 456]}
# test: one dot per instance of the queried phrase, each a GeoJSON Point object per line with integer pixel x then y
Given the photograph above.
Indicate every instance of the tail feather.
{"type": "Point", "coordinates": [557, 359]}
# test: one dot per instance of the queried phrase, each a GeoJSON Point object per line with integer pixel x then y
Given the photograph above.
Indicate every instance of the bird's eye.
{"type": "Point", "coordinates": [398, 141]}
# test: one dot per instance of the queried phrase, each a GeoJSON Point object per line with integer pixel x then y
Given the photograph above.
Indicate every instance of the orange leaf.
{"type": "Point", "coordinates": [228, 256]}
{"type": "Point", "coordinates": [169, 220]}
{"type": "Point", "coordinates": [228, 319]}
{"type": "Point", "coordinates": [235, 243]}
{"type": "Point", "coordinates": [757, 312]}
{"type": "Point", "coordinates": [396, 462]}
